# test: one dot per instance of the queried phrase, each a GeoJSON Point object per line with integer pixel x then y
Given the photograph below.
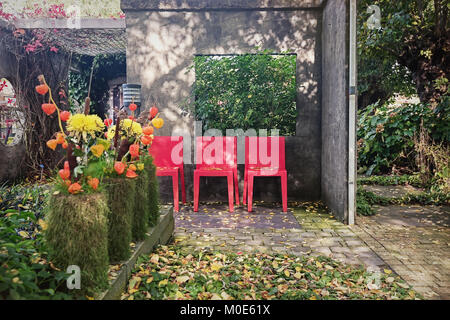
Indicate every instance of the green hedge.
{"type": "Point", "coordinates": [121, 201]}
{"type": "Point", "coordinates": [141, 207]}
{"type": "Point", "coordinates": [153, 192]}
{"type": "Point", "coordinates": [251, 91]}
{"type": "Point", "coordinates": [77, 234]}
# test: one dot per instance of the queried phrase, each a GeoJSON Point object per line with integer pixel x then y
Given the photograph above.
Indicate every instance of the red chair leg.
{"type": "Point", "coordinates": [183, 188]}
{"type": "Point", "coordinates": [176, 200]}
{"type": "Point", "coordinates": [244, 197]}
{"type": "Point", "coordinates": [250, 179]}
{"type": "Point", "coordinates": [236, 186]}
{"type": "Point", "coordinates": [196, 190]}
{"type": "Point", "coordinates": [284, 191]}
{"type": "Point", "coordinates": [230, 191]}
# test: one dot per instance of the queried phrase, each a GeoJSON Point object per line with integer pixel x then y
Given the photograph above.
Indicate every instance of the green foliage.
{"type": "Point", "coordinates": [385, 134]}
{"type": "Point", "coordinates": [413, 180]}
{"type": "Point", "coordinates": [407, 53]}
{"type": "Point", "coordinates": [121, 201]}
{"type": "Point", "coordinates": [153, 192]}
{"type": "Point", "coordinates": [246, 91]}
{"type": "Point", "coordinates": [77, 234]}
{"type": "Point", "coordinates": [365, 200]}
{"type": "Point", "coordinates": [174, 272]}
{"type": "Point", "coordinates": [106, 67]}
{"type": "Point", "coordinates": [25, 270]}
{"type": "Point", "coordinates": [141, 206]}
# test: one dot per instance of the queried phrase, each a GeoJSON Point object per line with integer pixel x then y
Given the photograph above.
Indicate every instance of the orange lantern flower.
{"type": "Point", "coordinates": [75, 188]}
{"type": "Point", "coordinates": [64, 174]}
{"type": "Point", "coordinates": [42, 89]}
{"type": "Point", "coordinates": [158, 123]}
{"type": "Point", "coordinates": [119, 167]}
{"type": "Point", "coordinates": [153, 112]}
{"type": "Point", "coordinates": [93, 183]}
{"type": "Point", "coordinates": [52, 144]}
{"type": "Point", "coordinates": [60, 138]}
{"type": "Point", "coordinates": [131, 174]}
{"type": "Point", "coordinates": [132, 106]}
{"type": "Point", "coordinates": [146, 140]}
{"type": "Point", "coordinates": [107, 122]}
{"type": "Point", "coordinates": [134, 150]}
{"type": "Point", "coordinates": [65, 145]}
{"type": "Point", "coordinates": [97, 150]}
{"type": "Point", "coordinates": [65, 115]}
{"type": "Point", "coordinates": [66, 165]}
{"type": "Point", "coordinates": [148, 130]}
{"type": "Point", "coordinates": [132, 167]}
{"type": "Point", "coordinates": [48, 108]}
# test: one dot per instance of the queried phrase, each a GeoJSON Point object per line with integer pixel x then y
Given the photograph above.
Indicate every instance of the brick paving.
{"type": "Point", "coordinates": [267, 229]}
{"type": "Point", "coordinates": [414, 241]}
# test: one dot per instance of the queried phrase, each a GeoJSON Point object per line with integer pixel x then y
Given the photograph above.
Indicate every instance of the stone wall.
{"type": "Point", "coordinates": [162, 44]}
{"type": "Point", "coordinates": [335, 108]}
{"type": "Point", "coordinates": [164, 36]}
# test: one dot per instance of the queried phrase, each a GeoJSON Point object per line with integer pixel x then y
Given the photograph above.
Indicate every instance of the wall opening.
{"type": "Point", "coordinates": [11, 117]}
{"type": "Point", "coordinates": [246, 91]}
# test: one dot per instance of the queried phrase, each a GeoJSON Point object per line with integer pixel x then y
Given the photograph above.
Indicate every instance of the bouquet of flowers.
{"type": "Point", "coordinates": [97, 148]}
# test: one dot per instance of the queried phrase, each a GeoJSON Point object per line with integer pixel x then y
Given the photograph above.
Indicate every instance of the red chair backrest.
{"type": "Point", "coordinates": [265, 152]}
{"type": "Point", "coordinates": [217, 152]}
{"type": "Point", "coordinates": [167, 151]}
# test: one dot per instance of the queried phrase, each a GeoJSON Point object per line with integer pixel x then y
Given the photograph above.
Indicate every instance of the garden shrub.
{"type": "Point", "coordinates": [141, 207]}
{"type": "Point", "coordinates": [77, 234]}
{"type": "Point", "coordinates": [153, 192]}
{"type": "Point", "coordinates": [25, 269]}
{"type": "Point", "coordinates": [386, 134]}
{"type": "Point", "coordinates": [246, 91]}
{"type": "Point", "coordinates": [121, 198]}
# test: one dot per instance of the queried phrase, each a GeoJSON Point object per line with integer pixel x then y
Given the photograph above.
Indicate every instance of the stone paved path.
{"type": "Point", "coordinates": [393, 191]}
{"type": "Point", "coordinates": [297, 232]}
{"type": "Point", "coordinates": [415, 242]}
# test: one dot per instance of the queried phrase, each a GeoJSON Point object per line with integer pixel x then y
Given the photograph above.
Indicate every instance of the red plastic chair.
{"type": "Point", "coordinates": [167, 153]}
{"type": "Point", "coordinates": [216, 157]}
{"type": "Point", "coordinates": [261, 160]}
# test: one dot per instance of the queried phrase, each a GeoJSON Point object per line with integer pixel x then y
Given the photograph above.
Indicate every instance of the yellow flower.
{"type": "Point", "coordinates": [132, 127]}
{"type": "Point", "coordinates": [140, 166]}
{"type": "Point", "coordinates": [80, 124]}
{"type": "Point", "coordinates": [128, 129]}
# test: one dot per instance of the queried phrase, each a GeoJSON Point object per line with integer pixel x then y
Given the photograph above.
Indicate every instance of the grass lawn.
{"type": "Point", "coordinates": [174, 272]}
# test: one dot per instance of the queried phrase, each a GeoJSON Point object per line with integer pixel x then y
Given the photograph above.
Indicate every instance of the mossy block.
{"type": "Point", "coordinates": [121, 195]}
{"type": "Point", "coordinates": [141, 209]}
{"type": "Point", "coordinates": [77, 234]}
{"type": "Point", "coordinates": [154, 236]}
{"type": "Point", "coordinates": [153, 193]}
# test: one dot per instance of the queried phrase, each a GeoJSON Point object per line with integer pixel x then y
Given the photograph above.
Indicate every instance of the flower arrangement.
{"type": "Point", "coordinates": [97, 148]}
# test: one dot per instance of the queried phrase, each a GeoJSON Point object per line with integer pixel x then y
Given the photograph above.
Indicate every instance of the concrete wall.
{"type": "Point", "coordinates": [164, 37]}
{"type": "Point", "coordinates": [335, 108]}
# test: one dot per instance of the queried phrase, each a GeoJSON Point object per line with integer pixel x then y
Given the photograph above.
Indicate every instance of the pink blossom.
{"type": "Point", "coordinates": [54, 49]}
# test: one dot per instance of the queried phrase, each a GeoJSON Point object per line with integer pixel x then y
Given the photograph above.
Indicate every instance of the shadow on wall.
{"type": "Point", "coordinates": [162, 45]}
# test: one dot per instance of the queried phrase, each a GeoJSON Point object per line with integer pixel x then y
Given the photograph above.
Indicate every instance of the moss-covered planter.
{"type": "Point", "coordinates": [153, 193]}
{"type": "Point", "coordinates": [141, 207]}
{"type": "Point", "coordinates": [121, 195]}
{"type": "Point", "coordinates": [77, 234]}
